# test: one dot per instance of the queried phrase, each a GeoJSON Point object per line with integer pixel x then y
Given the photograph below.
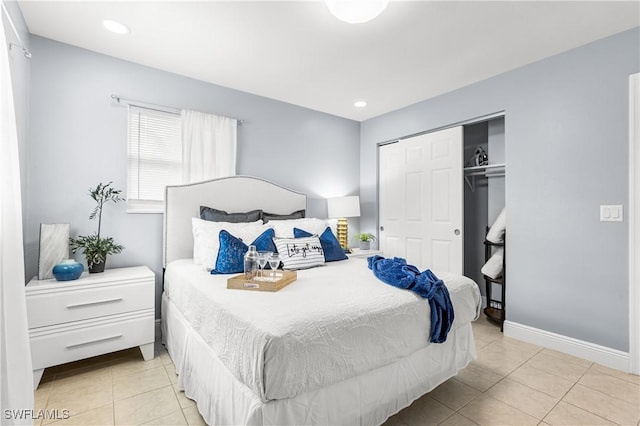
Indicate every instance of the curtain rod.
{"type": "Point", "coordinates": [155, 107]}
{"type": "Point", "coordinates": [20, 44]}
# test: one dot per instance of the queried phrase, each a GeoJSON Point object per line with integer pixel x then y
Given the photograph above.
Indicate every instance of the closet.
{"type": "Point", "coordinates": [484, 199]}
{"type": "Point", "coordinates": [435, 200]}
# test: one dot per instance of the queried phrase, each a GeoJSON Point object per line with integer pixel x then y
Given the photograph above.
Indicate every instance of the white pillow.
{"type": "Point", "coordinates": [300, 253]}
{"type": "Point", "coordinates": [496, 232]}
{"type": "Point", "coordinates": [284, 228]}
{"type": "Point", "coordinates": [493, 267]}
{"type": "Point", "coordinates": [206, 238]}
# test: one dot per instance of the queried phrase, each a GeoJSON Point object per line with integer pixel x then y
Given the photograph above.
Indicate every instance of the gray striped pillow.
{"type": "Point", "coordinates": [300, 253]}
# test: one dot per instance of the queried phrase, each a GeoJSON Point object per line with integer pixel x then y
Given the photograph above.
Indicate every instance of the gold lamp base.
{"type": "Point", "coordinates": [343, 234]}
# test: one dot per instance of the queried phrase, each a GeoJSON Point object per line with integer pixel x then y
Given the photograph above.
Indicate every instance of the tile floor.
{"type": "Point", "coordinates": [511, 383]}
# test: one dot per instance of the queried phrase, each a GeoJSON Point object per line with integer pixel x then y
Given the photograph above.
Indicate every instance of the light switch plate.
{"type": "Point", "coordinates": [611, 213]}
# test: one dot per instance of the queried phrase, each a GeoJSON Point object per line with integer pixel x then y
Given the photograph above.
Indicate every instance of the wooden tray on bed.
{"type": "Point", "coordinates": [239, 282]}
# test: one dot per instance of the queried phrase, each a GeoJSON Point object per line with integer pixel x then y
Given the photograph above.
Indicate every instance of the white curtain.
{"type": "Point", "coordinates": [16, 377]}
{"type": "Point", "coordinates": [208, 146]}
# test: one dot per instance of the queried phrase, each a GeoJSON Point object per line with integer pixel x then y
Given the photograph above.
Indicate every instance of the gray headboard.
{"type": "Point", "coordinates": [233, 194]}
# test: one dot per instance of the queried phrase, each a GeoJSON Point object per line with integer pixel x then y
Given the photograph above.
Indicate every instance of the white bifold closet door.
{"type": "Point", "coordinates": [421, 200]}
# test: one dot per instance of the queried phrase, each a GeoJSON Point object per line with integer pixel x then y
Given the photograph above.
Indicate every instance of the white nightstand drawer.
{"type": "Point", "coordinates": [69, 342]}
{"type": "Point", "coordinates": [88, 302]}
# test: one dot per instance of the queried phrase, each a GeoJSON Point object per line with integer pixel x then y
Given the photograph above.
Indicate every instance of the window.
{"type": "Point", "coordinates": [154, 157]}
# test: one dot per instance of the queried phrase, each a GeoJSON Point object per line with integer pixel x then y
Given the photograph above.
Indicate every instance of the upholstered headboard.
{"type": "Point", "coordinates": [232, 194]}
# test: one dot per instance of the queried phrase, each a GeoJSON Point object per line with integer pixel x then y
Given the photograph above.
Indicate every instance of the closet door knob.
{"type": "Point", "coordinates": [382, 228]}
{"type": "Point", "coordinates": [456, 231]}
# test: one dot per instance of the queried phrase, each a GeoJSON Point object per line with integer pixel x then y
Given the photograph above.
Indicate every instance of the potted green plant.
{"type": "Point", "coordinates": [97, 248]}
{"type": "Point", "coordinates": [365, 240]}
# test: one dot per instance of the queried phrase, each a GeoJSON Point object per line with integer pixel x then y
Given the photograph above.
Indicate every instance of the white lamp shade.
{"type": "Point", "coordinates": [344, 206]}
{"type": "Point", "coordinates": [356, 11]}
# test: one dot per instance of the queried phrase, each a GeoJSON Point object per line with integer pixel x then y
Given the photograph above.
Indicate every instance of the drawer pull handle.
{"type": "Point", "coordinates": [97, 302]}
{"type": "Point", "coordinates": [94, 341]}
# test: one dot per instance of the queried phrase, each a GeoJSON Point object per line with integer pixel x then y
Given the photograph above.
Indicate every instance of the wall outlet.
{"type": "Point", "coordinates": [611, 213]}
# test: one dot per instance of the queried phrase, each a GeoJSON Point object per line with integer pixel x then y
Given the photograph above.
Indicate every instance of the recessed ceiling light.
{"type": "Point", "coordinates": [360, 104]}
{"type": "Point", "coordinates": [115, 27]}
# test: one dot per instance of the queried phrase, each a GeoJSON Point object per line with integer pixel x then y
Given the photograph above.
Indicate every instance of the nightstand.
{"type": "Point", "coordinates": [364, 253]}
{"type": "Point", "coordinates": [90, 316]}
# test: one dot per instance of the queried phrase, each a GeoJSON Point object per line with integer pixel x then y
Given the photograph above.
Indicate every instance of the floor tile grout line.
{"type": "Point", "coordinates": [509, 373]}
{"type": "Point", "coordinates": [527, 386]}
{"type": "Point", "coordinates": [113, 398]}
{"type": "Point", "coordinates": [446, 418]}
{"type": "Point", "coordinates": [141, 393]}
{"type": "Point", "coordinates": [605, 373]}
{"type": "Point", "coordinates": [72, 373]}
{"type": "Point", "coordinates": [159, 417]}
{"type": "Point", "coordinates": [467, 403]}
{"type": "Point", "coordinates": [600, 392]}
{"type": "Point", "coordinates": [565, 378]}
{"type": "Point", "coordinates": [463, 405]}
{"type": "Point", "coordinates": [559, 401]}
{"type": "Point", "coordinates": [590, 412]}
{"type": "Point", "coordinates": [460, 414]}
{"type": "Point", "coordinates": [505, 403]}
{"type": "Point", "coordinates": [506, 377]}
{"type": "Point", "coordinates": [453, 414]}
{"type": "Point", "coordinates": [566, 357]}
{"type": "Point", "coordinates": [581, 408]}
{"type": "Point", "coordinates": [552, 374]}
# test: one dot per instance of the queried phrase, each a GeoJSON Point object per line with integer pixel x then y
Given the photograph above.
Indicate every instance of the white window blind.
{"type": "Point", "coordinates": [154, 157]}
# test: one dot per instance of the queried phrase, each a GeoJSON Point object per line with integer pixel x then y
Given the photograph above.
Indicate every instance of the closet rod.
{"type": "Point", "coordinates": [155, 107]}
{"type": "Point", "coordinates": [488, 171]}
{"type": "Point", "coordinates": [20, 44]}
{"type": "Point", "coordinates": [485, 167]}
{"type": "Point", "coordinates": [486, 174]}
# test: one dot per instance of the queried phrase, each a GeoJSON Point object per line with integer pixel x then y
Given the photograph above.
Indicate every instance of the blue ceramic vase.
{"type": "Point", "coordinates": [68, 270]}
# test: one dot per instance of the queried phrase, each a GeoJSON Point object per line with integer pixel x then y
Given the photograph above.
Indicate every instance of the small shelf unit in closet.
{"type": "Point", "coordinates": [495, 310]}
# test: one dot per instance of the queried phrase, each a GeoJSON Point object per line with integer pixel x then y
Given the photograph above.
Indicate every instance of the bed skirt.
{"type": "Point", "coordinates": [367, 399]}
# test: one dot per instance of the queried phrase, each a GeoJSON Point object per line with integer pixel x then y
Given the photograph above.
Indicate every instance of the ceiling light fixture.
{"type": "Point", "coordinates": [115, 27]}
{"type": "Point", "coordinates": [360, 104]}
{"type": "Point", "coordinates": [356, 11]}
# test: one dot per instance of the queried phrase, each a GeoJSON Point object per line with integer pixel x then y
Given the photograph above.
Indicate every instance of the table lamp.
{"type": "Point", "coordinates": [341, 208]}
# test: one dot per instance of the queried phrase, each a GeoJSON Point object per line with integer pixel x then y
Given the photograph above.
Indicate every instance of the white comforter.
{"type": "Point", "coordinates": [333, 323]}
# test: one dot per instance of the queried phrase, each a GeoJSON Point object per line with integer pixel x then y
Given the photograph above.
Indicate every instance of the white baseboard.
{"type": "Point", "coordinates": [612, 358]}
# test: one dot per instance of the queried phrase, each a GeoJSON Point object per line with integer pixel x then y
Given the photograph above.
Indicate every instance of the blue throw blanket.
{"type": "Point", "coordinates": [398, 273]}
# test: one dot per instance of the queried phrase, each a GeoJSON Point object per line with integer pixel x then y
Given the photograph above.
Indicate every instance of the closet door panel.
{"type": "Point", "coordinates": [396, 245]}
{"type": "Point", "coordinates": [441, 258]}
{"type": "Point", "coordinates": [421, 196]}
{"type": "Point", "coordinates": [416, 254]}
{"type": "Point", "coordinates": [413, 196]}
{"type": "Point", "coordinates": [440, 205]}
{"type": "Point", "coordinates": [392, 189]}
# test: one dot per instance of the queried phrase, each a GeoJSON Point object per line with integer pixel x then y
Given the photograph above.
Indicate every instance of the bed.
{"type": "Point", "coordinates": [337, 346]}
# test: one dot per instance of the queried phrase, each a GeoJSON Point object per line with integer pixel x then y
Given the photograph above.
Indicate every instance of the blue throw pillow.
{"type": "Point", "coordinates": [232, 250]}
{"type": "Point", "coordinates": [330, 245]}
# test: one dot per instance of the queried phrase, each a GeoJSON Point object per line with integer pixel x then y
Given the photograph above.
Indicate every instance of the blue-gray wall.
{"type": "Point", "coordinates": [566, 136]}
{"type": "Point", "coordinates": [78, 138]}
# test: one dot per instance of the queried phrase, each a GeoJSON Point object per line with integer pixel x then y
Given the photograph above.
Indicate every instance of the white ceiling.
{"type": "Point", "coordinates": [297, 52]}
